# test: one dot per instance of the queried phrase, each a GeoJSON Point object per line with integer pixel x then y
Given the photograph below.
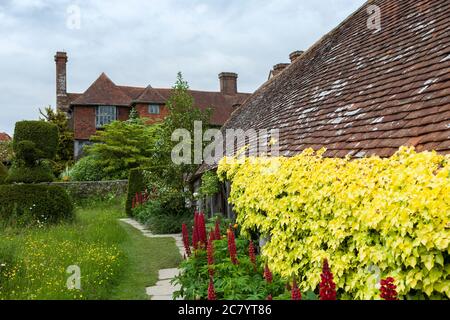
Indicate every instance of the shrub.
{"type": "Point", "coordinates": [43, 134]}
{"type": "Point", "coordinates": [6, 151]}
{"type": "Point", "coordinates": [20, 173]}
{"type": "Point", "coordinates": [390, 213]}
{"type": "Point", "coordinates": [136, 183]}
{"type": "Point", "coordinates": [159, 221]}
{"type": "Point", "coordinates": [3, 173]}
{"type": "Point", "coordinates": [34, 204]}
{"type": "Point", "coordinates": [87, 169]}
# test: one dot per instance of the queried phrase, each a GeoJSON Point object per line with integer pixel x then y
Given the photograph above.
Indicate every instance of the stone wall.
{"type": "Point", "coordinates": [83, 190]}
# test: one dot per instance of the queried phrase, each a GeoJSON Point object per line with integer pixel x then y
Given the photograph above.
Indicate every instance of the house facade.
{"type": "Point", "coordinates": [360, 91]}
{"type": "Point", "coordinates": [104, 102]}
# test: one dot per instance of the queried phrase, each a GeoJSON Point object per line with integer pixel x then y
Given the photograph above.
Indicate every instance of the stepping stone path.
{"type": "Point", "coordinates": [163, 289]}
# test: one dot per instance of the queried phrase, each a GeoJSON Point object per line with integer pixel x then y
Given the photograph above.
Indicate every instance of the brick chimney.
{"type": "Point", "coordinates": [295, 55]}
{"type": "Point", "coordinates": [228, 83]}
{"type": "Point", "coordinates": [278, 68]}
{"type": "Point", "coordinates": [61, 81]}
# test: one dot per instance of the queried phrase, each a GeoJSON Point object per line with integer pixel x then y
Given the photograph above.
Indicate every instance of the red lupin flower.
{"type": "Point", "coordinates": [387, 289]}
{"type": "Point", "coordinates": [251, 253]}
{"type": "Point", "coordinates": [212, 236]}
{"type": "Point", "coordinates": [267, 274]}
{"type": "Point", "coordinates": [295, 292]}
{"type": "Point", "coordinates": [210, 254]}
{"type": "Point", "coordinates": [195, 236]}
{"type": "Point", "coordinates": [327, 286]}
{"type": "Point", "coordinates": [232, 246]}
{"type": "Point", "coordinates": [217, 230]}
{"type": "Point", "coordinates": [185, 233]}
{"type": "Point", "coordinates": [201, 230]}
{"type": "Point", "coordinates": [211, 290]}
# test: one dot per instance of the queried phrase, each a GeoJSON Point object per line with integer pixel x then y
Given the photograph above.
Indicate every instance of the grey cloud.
{"type": "Point", "coordinates": [138, 42]}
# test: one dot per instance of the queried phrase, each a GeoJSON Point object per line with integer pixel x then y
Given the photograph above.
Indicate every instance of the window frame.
{"type": "Point", "coordinates": [103, 118]}
{"type": "Point", "coordinates": [151, 105]}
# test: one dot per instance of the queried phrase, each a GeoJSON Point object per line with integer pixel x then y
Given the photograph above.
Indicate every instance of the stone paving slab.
{"type": "Point", "coordinates": [163, 289]}
{"type": "Point", "coordinates": [160, 290]}
{"type": "Point", "coordinates": [165, 274]}
{"type": "Point", "coordinates": [160, 298]}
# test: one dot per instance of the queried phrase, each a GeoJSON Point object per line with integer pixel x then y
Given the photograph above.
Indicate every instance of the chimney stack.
{"type": "Point", "coordinates": [61, 81]}
{"type": "Point", "coordinates": [278, 68]}
{"type": "Point", "coordinates": [228, 83]}
{"type": "Point", "coordinates": [295, 55]}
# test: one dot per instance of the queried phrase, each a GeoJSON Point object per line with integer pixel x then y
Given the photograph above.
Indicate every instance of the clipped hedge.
{"type": "Point", "coordinates": [3, 173]}
{"type": "Point", "coordinates": [32, 203]}
{"type": "Point", "coordinates": [20, 173]}
{"type": "Point", "coordinates": [136, 183]}
{"type": "Point", "coordinates": [390, 214]}
{"type": "Point", "coordinates": [44, 135]}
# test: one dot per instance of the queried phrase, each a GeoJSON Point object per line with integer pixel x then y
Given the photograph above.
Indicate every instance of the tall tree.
{"type": "Point", "coordinates": [64, 154]}
{"type": "Point", "coordinates": [182, 115]}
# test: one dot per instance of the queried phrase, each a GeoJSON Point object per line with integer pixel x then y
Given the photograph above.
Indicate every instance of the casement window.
{"type": "Point", "coordinates": [105, 115]}
{"type": "Point", "coordinates": [153, 108]}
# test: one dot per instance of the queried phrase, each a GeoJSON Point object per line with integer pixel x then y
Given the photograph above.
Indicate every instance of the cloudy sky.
{"type": "Point", "coordinates": [141, 42]}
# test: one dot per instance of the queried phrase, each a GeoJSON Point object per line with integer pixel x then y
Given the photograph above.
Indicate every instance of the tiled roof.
{"type": "Point", "coordinates": [362, 92]}
{"type": "Point", "coordinates": [222, 105]}
{"type": "Point", "coordinates": [4, 137]}
{"type": "Point", "coordinates": [150, 95]}
{"type": "Point", "coordinates": [104, 92]}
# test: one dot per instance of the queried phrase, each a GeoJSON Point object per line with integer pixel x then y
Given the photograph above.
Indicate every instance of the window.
{"type": "Point", "coordinates": [153, 109]}
{"type": "Point", "coordinates": [105, 115]}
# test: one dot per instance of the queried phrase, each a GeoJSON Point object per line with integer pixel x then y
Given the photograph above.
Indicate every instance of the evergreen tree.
{"type": "Point", "coordinates": [124, 145]}
{"type": "Point", "coordinates": [64, 154]}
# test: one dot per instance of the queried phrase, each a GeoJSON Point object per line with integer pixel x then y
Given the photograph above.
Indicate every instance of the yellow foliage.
{"type": "Point", "coordinates": [392, 213]}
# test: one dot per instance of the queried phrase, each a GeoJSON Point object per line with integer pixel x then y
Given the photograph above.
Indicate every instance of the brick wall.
{"type": "Point", "coordinates": [83, 122]}
{"type": "Point", "coordinates": [142, 109]}
{"type": "Point", "coordinates": [123, 113]}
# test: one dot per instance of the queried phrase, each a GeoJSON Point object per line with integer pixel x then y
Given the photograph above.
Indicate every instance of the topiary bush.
{"type": "Point", "coordinates": [31, 204]}
{"type": "Point", "coordinates": [136, 183]}
{"type": "Point", "coordinates": [34, 144]}
{"type": "Point", "coordinates": [19, 172]}
{"type": "Point", "coordinates": [3, 173]}
{"type": "Point", "coordinates": [44, 135]}
{"type": "Point", "coordinates": [87, 169]}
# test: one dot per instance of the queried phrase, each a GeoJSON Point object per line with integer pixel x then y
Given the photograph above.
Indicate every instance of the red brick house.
{"type": "Point", "coordinates": [104, 101]}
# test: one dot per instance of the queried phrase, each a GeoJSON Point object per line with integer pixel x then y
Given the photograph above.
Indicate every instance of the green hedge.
{"type": "Point", "coordinates": [24, 174]}
{"type": "Point", "coordinates": [43, 134]}
{"type": "Point", "coordinates": [136, 183]}
{"type": "Point", "coordinates": [3, 173]}
{"type": "Point", "coordinates": [31, 204]}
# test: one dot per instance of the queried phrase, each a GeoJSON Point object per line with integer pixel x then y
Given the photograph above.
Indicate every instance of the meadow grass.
{"type": "Point", "coordinates": [115, 260]}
